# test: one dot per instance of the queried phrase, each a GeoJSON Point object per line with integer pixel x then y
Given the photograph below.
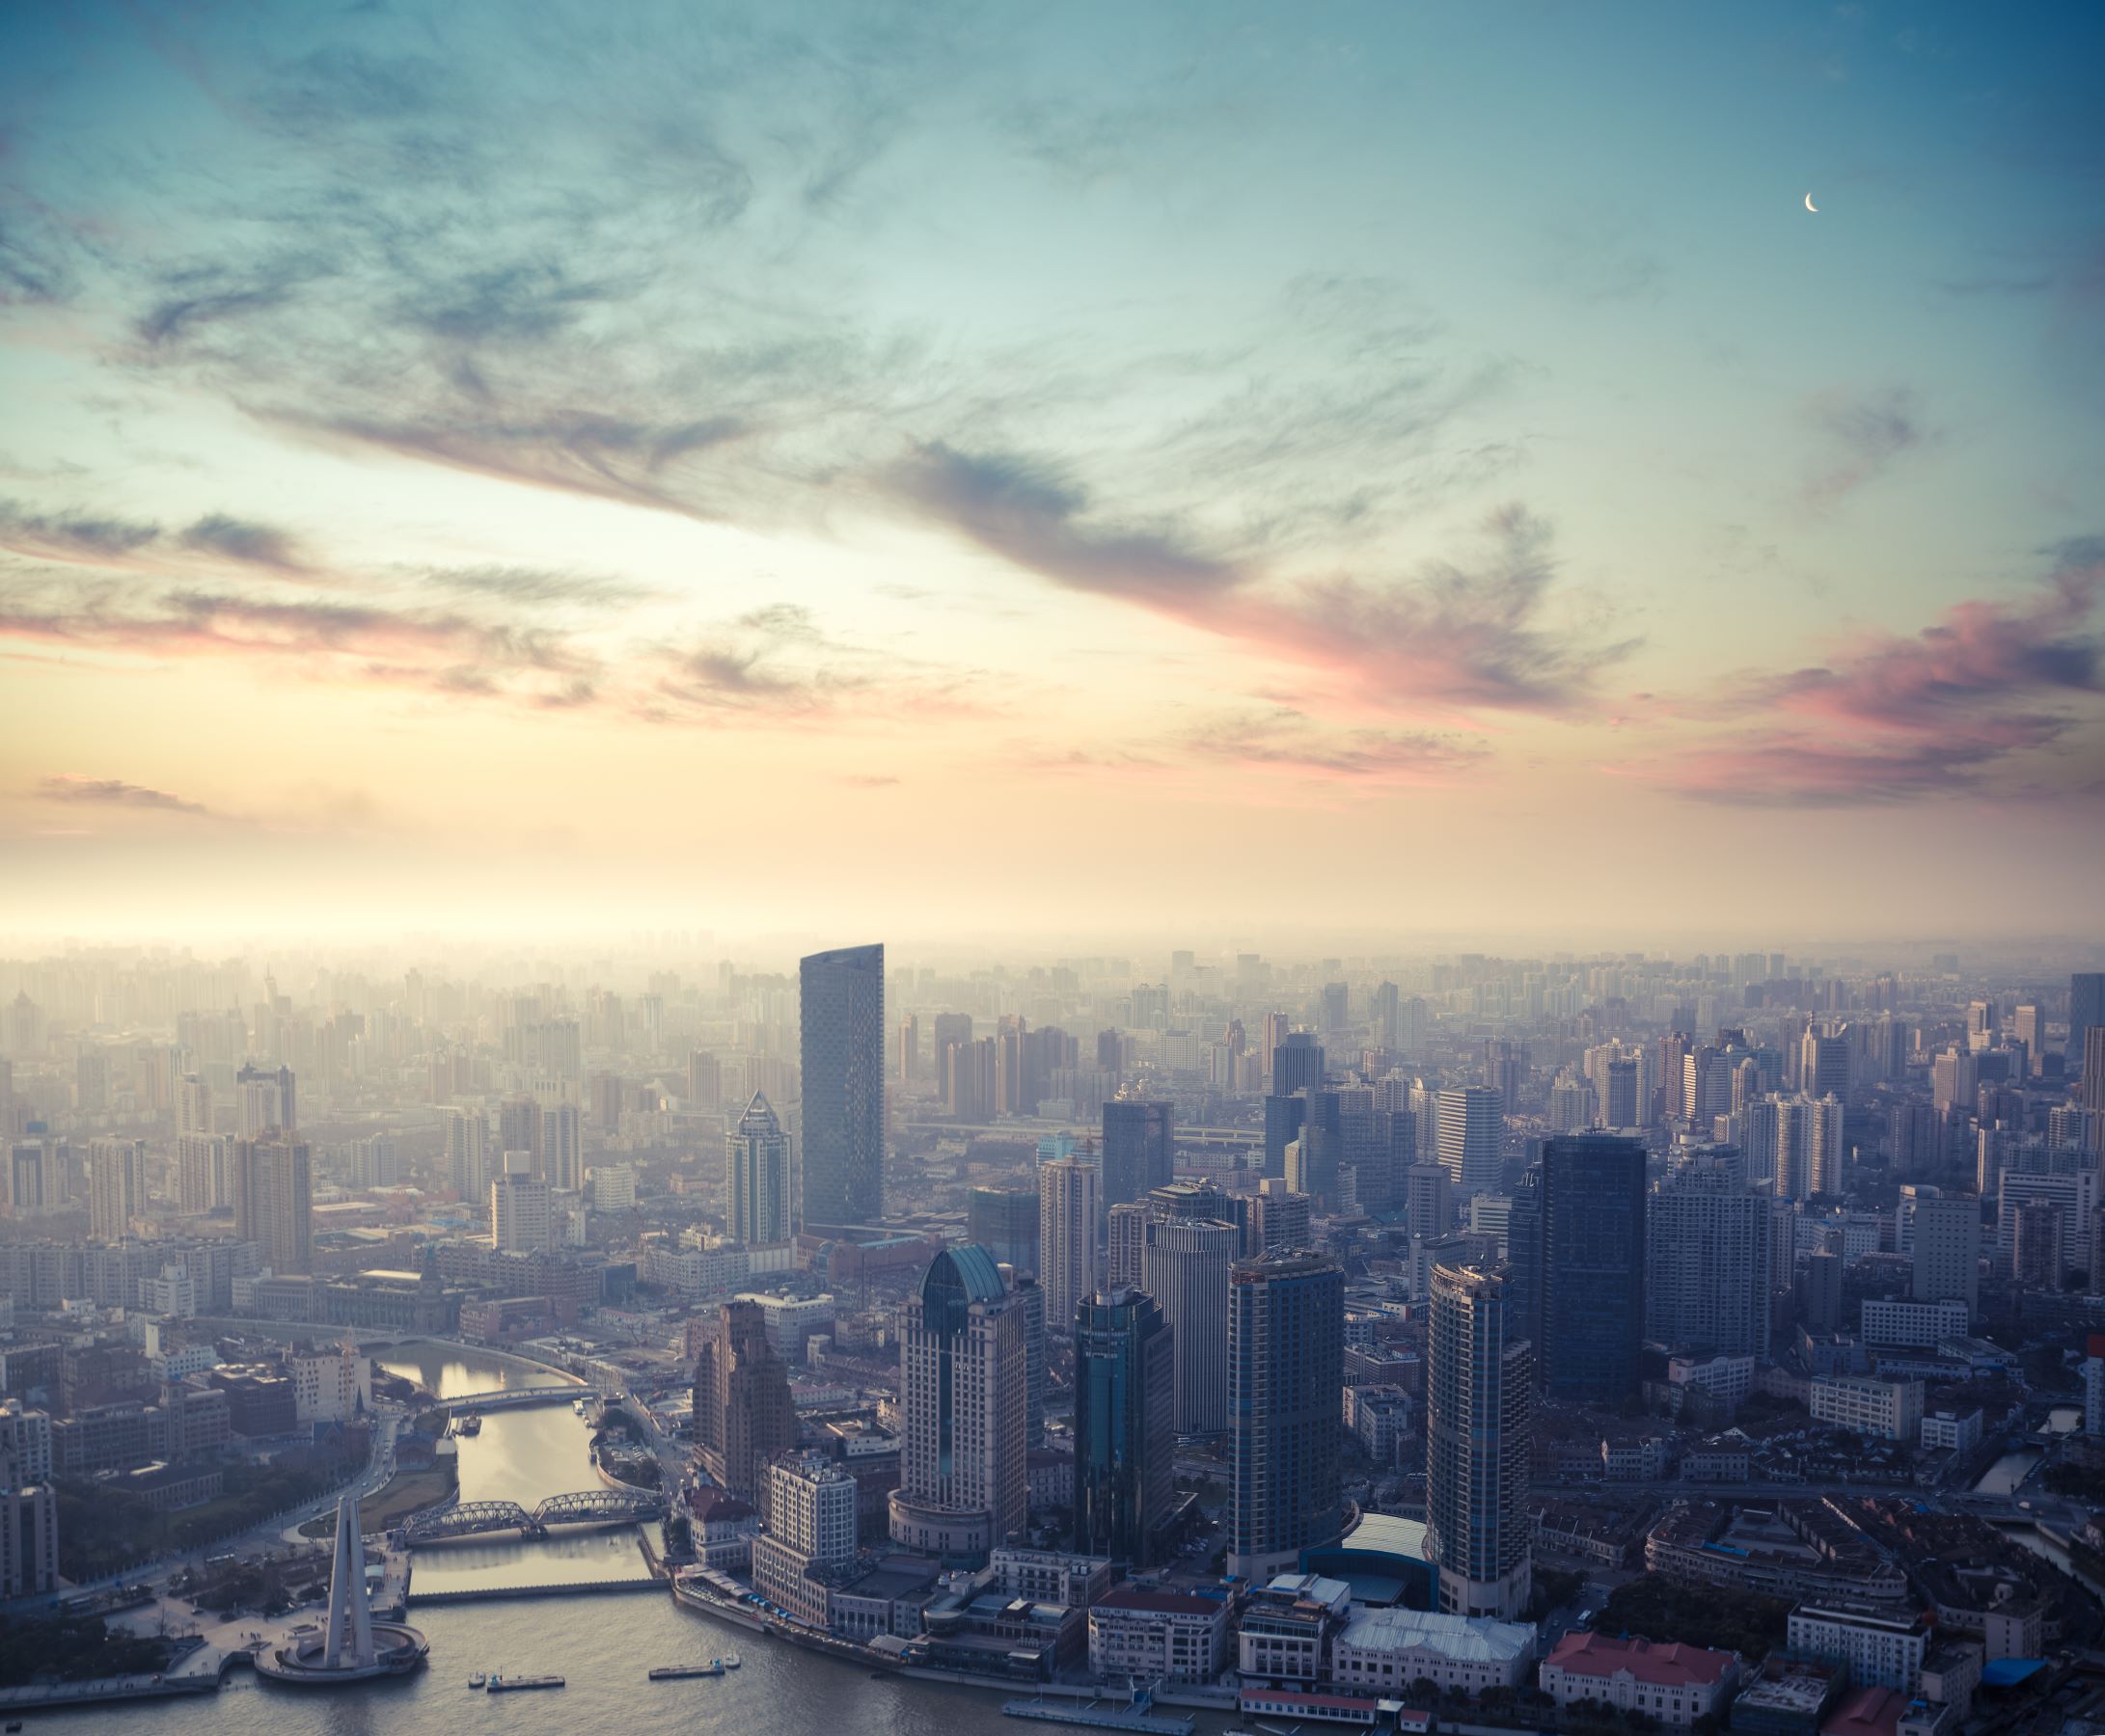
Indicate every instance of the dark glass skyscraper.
{"type": "Point", "coordinates": [1122, 1425]}
{"type": "Point", "coordinates": [2086, 1008]}
{"type": "Point", "coordinates": [1286, 1362]}
{"type": "Point", "coordinates": [1140, 1151]}
{"type": "Point", "coordinates": [1591, 1297]}
{"type": "Point", "coordinates": [843, 1014]}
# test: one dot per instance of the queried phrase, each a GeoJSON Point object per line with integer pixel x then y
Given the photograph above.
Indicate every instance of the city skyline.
{"type": "Point", "coordinates": [921, 427]}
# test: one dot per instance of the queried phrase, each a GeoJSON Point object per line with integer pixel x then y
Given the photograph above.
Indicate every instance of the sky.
{"type": "Point", "coordinates": [1421, 468]}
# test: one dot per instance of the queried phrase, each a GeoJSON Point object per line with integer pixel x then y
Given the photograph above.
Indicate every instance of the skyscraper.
{"type": "Point", "coordinates": [1286, 1348]}
{"type": "Point", "coordinates": [267, 1098]}
{"type": "Point", "coordinates": [1472, 1137]}
{"type": "Point", "coordinates": [1124, 1383]}
{"type": "Point", "coordinates": [743, 1413]}
{"type": "Point", "coordinates": [273, 1201]}
{"type": "Point", "coordinates": [2085, 1009]}
{"type": "Point", "coordinates": [1139, 1150]}
{"type": "Point", "coordinates": [1592, 1266]}
{"type": "Point", "coordinates": [1004, 1221]}
{"type": "Point", "coordinates": [964, 1481]}
{"type": "Point", "coordinates": [1944, 1230]}
{"type": "Point", "coordinates": [1184, 1265]}
{"type": "Point", "coordinates": [562, 1146]}
{"type": "Point", "coordinates": [1296, 1064]}
{"type": "Point", "coordinates": [756, 1164]}
{"type": "Point", "coordinates": [1477, 1445]}
{"type": "Point", "coordinates": [843, 1017]}
{"type": "Point", "coordinates": [522, 1217]}
{"type": "Point", "coordinates": [1706, 1263]}
{"type": "Point", "coordinates": [1067, 1224]}
{"type": "Point", "coordinates": [117, 1187]}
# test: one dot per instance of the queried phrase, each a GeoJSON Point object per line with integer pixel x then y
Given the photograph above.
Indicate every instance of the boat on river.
{"type": "Point", "coordinates": [515, 1684]}
{"type": "Point", "coordinates": [478, 1679]}
{"type": "Point", "coordinates": [468, 1424]}
{"type": "Point", "coordinates": [680, 1672]}
{"type": "Point", "coordinates": [732, 1660]}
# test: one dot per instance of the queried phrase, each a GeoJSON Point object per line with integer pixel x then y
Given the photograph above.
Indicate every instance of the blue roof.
{"type": "Point", "coordinates": [2007, 1672]}
{"type": "Point", "coordinates": [967, 1266]}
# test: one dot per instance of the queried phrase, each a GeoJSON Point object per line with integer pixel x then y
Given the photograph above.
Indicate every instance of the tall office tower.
{"type": "Point", "coordinates": [1945, 1230]}
{"type": "Point", "coordinates": [1794, 1148]}
{"type": "Point", "coordinates": [2090, 1081]}
{"type": "Point", "coordinates": [1111, 1056]}
{"type": "Point", "coordinates": [1184, 1265]}
{"type": "Point", "coordinates": [1388, 1016]}
{"type": "Point", "coordinates": [1286, 1366]}
{"type": "Point", "coordinates": [1954, 1082]}
{"type": "Point", "coordinates": [1914, 1138]}
{"type": "Point", "coordinates": [1706, 1263]}
{"type": "Point", "coordinates": [562, 1146]}
{"type": "Point", "coordinates": [1278, 1218]}
{"type": "Point", "coordinates": [1414, 1021]}
{"type": "Point", "coordinates": [2036, 1245]}
{"type": "Point", "coordinates": [842, 1009]}
{"type": "Point", "coordinates": [2085, 1010]}
{"type": "Point", "coordinates": [1334, 1011]}
{"type": "Point", "coordinates": [964, 1481]}
{"type": "Point", "coordinates": [1004, 1221]}
{"type": "Point", "coordinates": [756, 1164]}
{"type": "Point", "coordinates": [1296, 1064]}
{"type": "Point", "coordinates": [1472, 1139]}
{"type": "Point", "coordinates": [1284, 1118]}
{"type": "Point", "coordinates": [1592, 1266]}
{"type": "Point", "coordinates": [29, 1539]}
{"type": "Point", "coordinates": [1426, 1200]}
{"type": "Point", "coordinates": [743, 1413]}
{"type": "Point", "coordinates": [1820, 1290]}
{"type": "Point", "coordinates": [910, 1046]}
{"type": "Point", "coordinates": [204, 1171]}
{"type": "Point", "coordinates": [193, 1105]}
{"type": "Point", "coordinates": [1125, 1232]}
{"type": "Point", "coordinates": [603, 1092]}
{"type": "Point", "coordinates": [1125, 1384]}
{"type": "Point", "coordinates": [1067, 1224]}
{"type": "Point", "coordinates": [273, 1202]}
{"type": "Point", "coordinates": [2028, 1024]}
{"type": "Point", "coordinates": [1476, 1445]}
{"type": "Point", "coordinates": [949, 1030]}
{"type": "Point", "coordinates": [117, 1187]}
{"type": "Point", "coordinates": [522, 1217]}
{"type": "Point", "coordinates": [1619, 1101]}
{"type": "Point", "coordinates": [1707, 1086]}
{"type": "Point", "coordinates": [705, 1079]}
{"type": "Point", "coordinates": [467, 1152]}
{"type": "Point", "coordinates": [1029, 1295]}
{"type": "Point", "coordinates": [969, 1079]}
{"type": "Point", "coordinates": [268, 1099]}
{"type": "Point", "coordinates": [1823, 1064]}
{"type": "Point", "coordinates": [1139, 1150]}
{"type": "Point", "coordinates": [1823, 1144]}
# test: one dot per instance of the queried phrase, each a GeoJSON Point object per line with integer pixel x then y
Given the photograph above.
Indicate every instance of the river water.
{"type": "Point", "coordinates": [604, 1643]}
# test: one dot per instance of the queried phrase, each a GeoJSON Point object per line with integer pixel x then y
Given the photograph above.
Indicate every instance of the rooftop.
{"type": "Point", "coordinates": [1472, 1639]}
{"type": "Point", "coordinates": [1865, 1712]}
{"type": "Point", "coordinates": [1672, 1666]}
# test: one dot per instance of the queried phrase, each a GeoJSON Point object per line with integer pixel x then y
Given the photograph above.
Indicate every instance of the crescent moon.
{"type": "Point", "coordinates": [1810, 206]}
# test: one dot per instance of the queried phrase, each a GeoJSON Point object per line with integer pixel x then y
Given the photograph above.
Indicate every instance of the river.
{"type": "Point", "coordinates": [604, 1644]}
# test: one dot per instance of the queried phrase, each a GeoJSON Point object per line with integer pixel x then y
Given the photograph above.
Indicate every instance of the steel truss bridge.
{"type": "Point", "coordinates": [516, 1397]}
{"type": "Point", "coordinates": [587, 1507]}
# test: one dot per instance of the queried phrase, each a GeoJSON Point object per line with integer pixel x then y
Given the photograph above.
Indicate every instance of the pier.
{"type": "Point", "coordinates": [1099, 1717]}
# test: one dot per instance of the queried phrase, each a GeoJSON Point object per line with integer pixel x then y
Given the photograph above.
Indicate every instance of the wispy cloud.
{"type": "Point", "coordinates": [1891, 718]}
{"type": "Point", "coordinates": [1863, 433]}
{"type": "Point", "coordinates": [110, 792]}
{"type": "Point", "coordinates": [1290, 741]}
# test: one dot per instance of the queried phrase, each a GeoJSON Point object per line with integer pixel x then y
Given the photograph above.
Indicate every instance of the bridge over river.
{"type": "Point", "coordinates": [518, 1397]}
{"type": "Point", "coordinates": [587, 1507]}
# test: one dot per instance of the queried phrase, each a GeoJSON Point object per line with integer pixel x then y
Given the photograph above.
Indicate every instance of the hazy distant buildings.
{"type": "Point", "coordinates": [842, 1012]}
{"type": "Point", "coordinates": [2086, 1010]}
{"type": "Point", "coordinates": [1477, 1445]}
{"type": "Point", "coordinates": [757, 1162]}
{"type": "Point", "coordinates": [1286, 1345]}
{"type": "Point", "coordinates": [117, 1187]}
{"type": "Point", "coordinates": [1124, 1382]}
{"type": "Point", "coordinates": [562, 1146]}
{"type": "Point", "coordinates": [1004, 1221]}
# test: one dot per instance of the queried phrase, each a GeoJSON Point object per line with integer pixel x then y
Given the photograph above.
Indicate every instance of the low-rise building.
{"type": "Point", "coordinates": [1287, 1628]}
{"type": "Point", "coordinates": [1950, 1431]}
{"type": "Point", "coordinates": [1721, 1458]}
{"type": "Point", "coordinates": [1643, 1458]}
{"type": "Point", "coordinates": [1170, 1635]}
{"type": "Point", "coordinates": [1050, 1576]}
{"type": "Point", "coordinates": [1674, 1684]}
{"type": "Point", "coordinates": [1789, 1697]}
{"type": "Point", "coordinates": [1385, 1651]}
{"type": "Point", "coordinates": [1613, 1536]}
{"type": "Point", "coordinates": [1912, 1325]}
{"type": "Point", "coordinates": [1892, 1410]}
{"type": "Point", "coordinates": [1879, 1650]}
{"type": "Point", "coordinates": [1805, 1551]}
{"type": "Point", "coordinates": [721, 1527]}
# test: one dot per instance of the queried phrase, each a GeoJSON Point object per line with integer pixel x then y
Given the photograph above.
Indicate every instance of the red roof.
{"type": "Point", "coordinates": [1866, 1712]}
{"type": "Point", "coordinates": [1674, 1666]}
{"type": "Point", "coordinates": [1160, 1603]}
{"type": "Point", "coordinates": [708, 1504]}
